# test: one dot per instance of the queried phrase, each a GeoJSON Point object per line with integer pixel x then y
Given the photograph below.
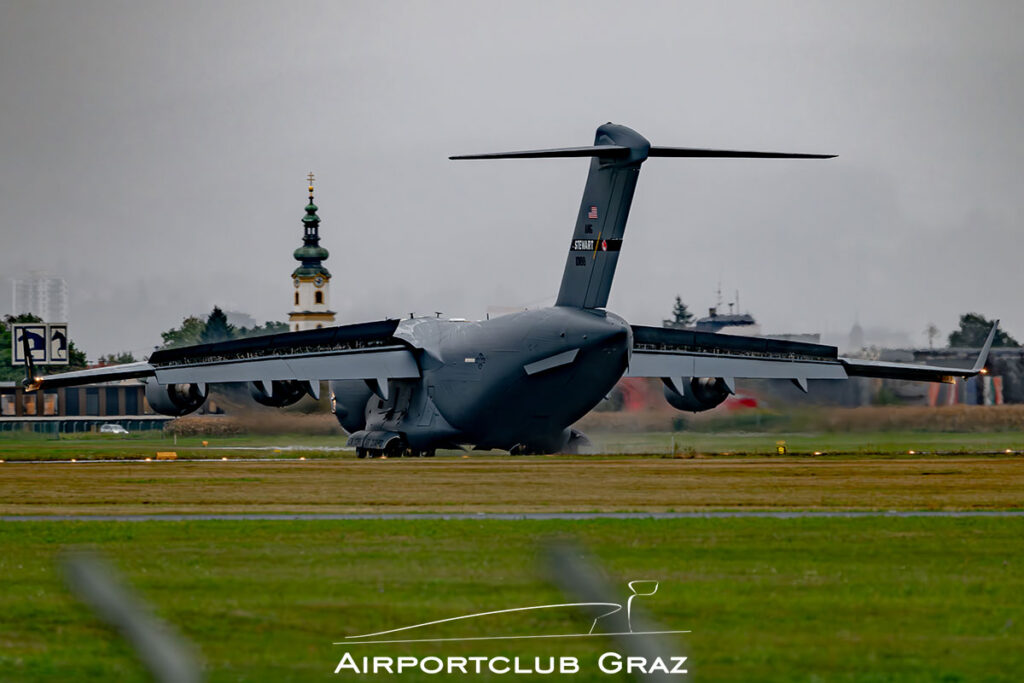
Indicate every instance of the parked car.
{"type": "Point", "coordinates": [112, 428]}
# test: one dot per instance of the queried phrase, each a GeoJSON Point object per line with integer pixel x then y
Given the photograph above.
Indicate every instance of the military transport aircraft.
{"type": "Point", "coordinates": [517, 382]}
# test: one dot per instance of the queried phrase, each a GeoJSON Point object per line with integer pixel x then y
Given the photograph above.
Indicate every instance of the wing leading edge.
{"type": "Point", "coordinates": [362, 351]}
{"type": "Point", "coordinates": [668, 353]}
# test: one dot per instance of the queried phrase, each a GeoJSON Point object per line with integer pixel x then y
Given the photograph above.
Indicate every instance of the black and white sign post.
{"type": "Point", "coordinates": [46, 343]}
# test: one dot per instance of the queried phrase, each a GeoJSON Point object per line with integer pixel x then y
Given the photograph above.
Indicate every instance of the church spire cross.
{"type": "Point", "coordinates": [311, 178]}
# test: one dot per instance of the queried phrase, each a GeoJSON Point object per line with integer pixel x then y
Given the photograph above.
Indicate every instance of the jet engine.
{"type": "Point", "coordinates": [348, 403]}
{"type": "Point", "coordinates": [281, 392]}
{"type": "Point", "coordinates": [175, 399]}
{"type": "Point", "coordinates": [696, 394]}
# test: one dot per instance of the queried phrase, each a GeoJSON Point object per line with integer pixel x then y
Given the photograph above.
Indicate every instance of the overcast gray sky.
{"type": "Point", "coordinates": [154, 155]}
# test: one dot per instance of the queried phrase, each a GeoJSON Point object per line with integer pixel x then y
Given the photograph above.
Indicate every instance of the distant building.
{"type": "Point", "coordinates": [728, 323]}
{"type": "Point", "coordinates": [82, 409]}
{"type": "Point", "coordinates": [738, 324]}
{"type": "Point", "coordinates": [41, 295]}
{"type": "Point", "coordinates": [311, 280]}
{"type": "Point", "coordinates": [855, 340]}
{"type": "Point", "coordinates": [77, 409]}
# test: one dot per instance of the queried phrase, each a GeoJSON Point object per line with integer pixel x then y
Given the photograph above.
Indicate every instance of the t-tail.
{"type": "Point", "coordinates": [617, 154]}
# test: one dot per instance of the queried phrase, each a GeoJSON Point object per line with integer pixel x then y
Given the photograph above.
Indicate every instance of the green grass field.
{"type": "Point", "coordinates": [877, 599]}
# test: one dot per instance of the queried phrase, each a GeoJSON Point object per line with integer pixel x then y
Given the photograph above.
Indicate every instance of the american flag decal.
{"type": "Point", "coordinates": [592, 214]}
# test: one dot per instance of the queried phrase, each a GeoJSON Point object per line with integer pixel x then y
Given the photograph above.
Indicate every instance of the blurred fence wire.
{"type": "Point", "coordinates": [632, 630]}
{"type": "Point", "coordinates": [165, 653]}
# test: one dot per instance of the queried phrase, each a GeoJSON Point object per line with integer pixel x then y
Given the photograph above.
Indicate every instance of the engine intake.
{"type": "Point", "coordinates": [281, 393]}
{"type": "Point", "coordinates": [175, 399]}
{"type": "Point", "coordinates": [696, 394]}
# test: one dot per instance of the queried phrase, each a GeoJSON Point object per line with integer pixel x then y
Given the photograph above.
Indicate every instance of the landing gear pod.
{"type": "Point", "coordinates": [348, 403]}
{"type": "Point", "coordinates": [696, 394]}
{"type": "Point", "coordinates": [175, 399]}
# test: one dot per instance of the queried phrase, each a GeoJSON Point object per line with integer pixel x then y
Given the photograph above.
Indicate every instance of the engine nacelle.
{"type": "Point", "coordinates": [175, 399]}
{"type": "Point", "coordinates": [695, 394]}
{"type": "Point", "coordinates": [348, 403]}
{"type": "Point", "coordinates": [281, 392]}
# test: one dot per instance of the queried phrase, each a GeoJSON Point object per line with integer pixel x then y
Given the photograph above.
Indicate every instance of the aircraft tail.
{"type": "Point", "coordinates": [617, 154]}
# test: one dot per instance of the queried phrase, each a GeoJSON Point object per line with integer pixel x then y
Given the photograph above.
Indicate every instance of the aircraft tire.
{"type": "Point", "coordinates": [360, 453]}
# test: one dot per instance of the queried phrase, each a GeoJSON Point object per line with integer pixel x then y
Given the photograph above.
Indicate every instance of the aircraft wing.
{"type": "Point", "coordinates": [670, 353]}
{"type": "Point", "coordinates": [362, 351]}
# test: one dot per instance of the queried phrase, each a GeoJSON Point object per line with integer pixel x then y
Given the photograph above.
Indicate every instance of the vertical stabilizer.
{"type": "Point", "coordinates": [601, 222]}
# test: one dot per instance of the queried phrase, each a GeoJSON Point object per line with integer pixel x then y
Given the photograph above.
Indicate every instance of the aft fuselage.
{"type": "Point", "coordinates": [514, 382]}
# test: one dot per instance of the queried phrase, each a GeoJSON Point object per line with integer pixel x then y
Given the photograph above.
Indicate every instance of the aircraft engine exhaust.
{"type": "Point", "coordinates": [280, 394]}
{"type": "Point", "coordinates": [696, 394]}
{"type": "Point", "coordinates": [175, 399]}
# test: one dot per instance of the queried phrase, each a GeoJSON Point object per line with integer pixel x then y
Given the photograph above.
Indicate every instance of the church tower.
{"type": "Point", "coordinates": [311, 280]}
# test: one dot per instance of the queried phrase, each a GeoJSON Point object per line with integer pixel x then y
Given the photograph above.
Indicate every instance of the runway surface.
{"type": "Point", "coordinates": [564, 516]}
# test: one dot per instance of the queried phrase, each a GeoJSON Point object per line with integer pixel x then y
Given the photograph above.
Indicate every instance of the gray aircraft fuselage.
{"type": "Point", "coordinates": [516, 382]}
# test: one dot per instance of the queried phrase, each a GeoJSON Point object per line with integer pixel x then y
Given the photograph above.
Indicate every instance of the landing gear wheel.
{"type": "Point", "coordinates": [394, 449]}
{"type": "Point", "coordinates": [360, 453]}
{"type": "Point", "coordinates": [412, 453]}
{"type": "Point", "coordinates": [429, 453]}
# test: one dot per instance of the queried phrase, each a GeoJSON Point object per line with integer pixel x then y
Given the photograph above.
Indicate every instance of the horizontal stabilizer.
{"type": "Point", "coordinates": [729, 153]}
{"type": "Point", "coordinates": [616, 157]}
{"type": "Point", "coordinates": [609, 151]}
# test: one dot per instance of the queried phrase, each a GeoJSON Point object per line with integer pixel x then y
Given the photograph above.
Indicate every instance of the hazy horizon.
{"type": "Point", "coordinates": [155, 157]}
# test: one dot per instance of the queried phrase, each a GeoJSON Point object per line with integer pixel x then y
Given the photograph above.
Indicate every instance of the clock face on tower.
{"type": "Point", "coordinates": [296, 282]}
{"type": "Point", "coordinates": [319, 281]}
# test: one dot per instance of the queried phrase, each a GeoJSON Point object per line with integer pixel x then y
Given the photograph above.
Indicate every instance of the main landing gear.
{"type": "Point", "coordinates": [394, 450]}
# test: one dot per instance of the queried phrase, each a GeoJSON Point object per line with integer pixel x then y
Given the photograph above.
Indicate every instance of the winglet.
{"type": "Point", "coordinates": [979, 364]}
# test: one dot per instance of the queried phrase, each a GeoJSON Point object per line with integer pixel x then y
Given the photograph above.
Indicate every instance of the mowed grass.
{"type": "Point", "coordinates": [867, 599]}
{"type": "Point", "coordinates": [16, 446]}
{"type": "Point", "coordinates": [521, 484]}
{"type": "Point", "coordinates": [894, 443]}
